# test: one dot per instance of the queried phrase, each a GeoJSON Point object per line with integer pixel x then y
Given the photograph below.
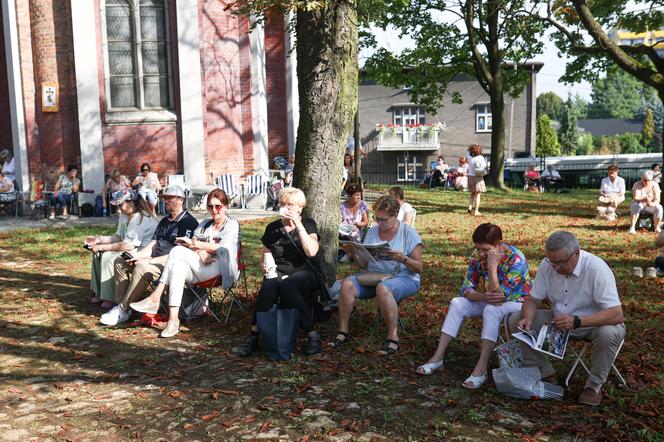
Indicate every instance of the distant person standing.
{"type": "Point", "coordinates": [477, 168]}
{"type": "Point", "coordinates": [612, 193]}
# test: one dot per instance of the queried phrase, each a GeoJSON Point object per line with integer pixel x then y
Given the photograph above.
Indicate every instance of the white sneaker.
{"type": "Point", "coordinates": [632, 231]}
{"type": "Point", "coordinates": [651, 272]}
{"type": "Point", "coordinates": [172, 329]}
{"type": "Point", "coordinates": [114, 316]}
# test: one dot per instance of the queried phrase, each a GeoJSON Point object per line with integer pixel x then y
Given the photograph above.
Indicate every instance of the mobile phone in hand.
{"type": "Point", "coordinates": [87, 246]}
{"type": "Point", "coordinates": [126, 255]}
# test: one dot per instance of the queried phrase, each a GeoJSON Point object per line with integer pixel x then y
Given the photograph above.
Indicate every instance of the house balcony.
{"type": "Point", "coordinates": [400, 139]}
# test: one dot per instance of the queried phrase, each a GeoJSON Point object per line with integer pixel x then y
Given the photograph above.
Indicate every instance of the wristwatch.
{"type": "Point", "coordinates": [101, 248]}
{"type": "Point", "coordinates": [577, 322]}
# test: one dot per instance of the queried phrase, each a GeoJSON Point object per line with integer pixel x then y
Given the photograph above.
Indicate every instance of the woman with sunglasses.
{"type": "Point", "coordinates": [147, 184]}
{"type": "Point", "coordinates": [403, 261]}
{"type": "Point", "coordinates": [291, 245]}
{"type": "Point", "coordinates": [496, 284]}
{"type": "Point", "coordinates": [196, 259]}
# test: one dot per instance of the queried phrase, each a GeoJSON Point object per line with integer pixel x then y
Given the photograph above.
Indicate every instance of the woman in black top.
{"type": "Point", "coordinates": [290, 242]}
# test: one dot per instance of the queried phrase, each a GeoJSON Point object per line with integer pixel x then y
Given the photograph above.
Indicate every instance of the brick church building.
{"type": "Point", "coordinates": [109, 84]}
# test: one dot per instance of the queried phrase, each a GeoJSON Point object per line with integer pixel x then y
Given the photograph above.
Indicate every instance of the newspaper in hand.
{"type": "Point", "coordinates": [549, 340]}
{"type": "Point", "coordinates": [369, 252]}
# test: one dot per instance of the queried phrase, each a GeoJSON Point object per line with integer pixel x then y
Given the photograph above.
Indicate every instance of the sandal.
{"type": "Point", "coordinates": [336, 342]}
{"type": "Point", "coordinates": [389, 347]}
{"type": "Point", "coordinates": [429, 367]}
{"type": "Point", "coordinates": [475, 382]}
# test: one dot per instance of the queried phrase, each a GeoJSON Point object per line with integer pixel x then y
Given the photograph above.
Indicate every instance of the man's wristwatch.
{"type": "Point", "coordinates": [577, 322]}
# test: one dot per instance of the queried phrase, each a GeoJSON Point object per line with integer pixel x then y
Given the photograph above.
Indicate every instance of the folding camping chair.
{"type": "Point", "coordinates": [228, 184]}
{"type": "Point", "coordinates": [203, 292]}
{"type": "Point", "coordinates": [578, 360]}
{"type": "Point", "coordinates": [256, 186]}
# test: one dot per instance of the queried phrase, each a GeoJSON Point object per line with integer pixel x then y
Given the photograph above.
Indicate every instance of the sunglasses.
{"type": "Point", "coordinates": [215, 206]}
{"type": "Point", "coordinates": [145, 170]}
{"type": "Point", "coordinates": [381, 220]}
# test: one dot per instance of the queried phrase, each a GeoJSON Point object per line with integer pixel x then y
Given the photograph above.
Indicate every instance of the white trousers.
{"type": "Point", "coordinates": [461, 308]}
{"type": "Point", "coordinates": [184, 265]}
{"type": "Point", "coordinates": [637, 207]}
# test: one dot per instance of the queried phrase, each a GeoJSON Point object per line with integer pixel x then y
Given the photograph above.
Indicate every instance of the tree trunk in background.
{"type": "Point", "coordinates": [327, 42]}
{"type": "Point", "coordinates": [496, 178]}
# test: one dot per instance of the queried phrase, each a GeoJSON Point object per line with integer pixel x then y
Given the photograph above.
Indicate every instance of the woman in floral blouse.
{"type": "Point", "coordinates": [496, 284]}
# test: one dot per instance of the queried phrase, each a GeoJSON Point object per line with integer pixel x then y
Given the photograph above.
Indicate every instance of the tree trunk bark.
{"type": "Point", "coordinates": [496, 176]}
{"type": "Point", "coordinates": [327, 44]}
{"type": "Point", "coordinates": [660, 92]}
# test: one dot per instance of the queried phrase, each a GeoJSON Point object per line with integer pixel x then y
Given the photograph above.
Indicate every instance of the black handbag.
{"type": "Point", "coordinates": [278, 329]}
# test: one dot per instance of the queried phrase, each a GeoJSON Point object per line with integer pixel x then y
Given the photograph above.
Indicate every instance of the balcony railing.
{"type": "Point", "coordinates": [401, 138]}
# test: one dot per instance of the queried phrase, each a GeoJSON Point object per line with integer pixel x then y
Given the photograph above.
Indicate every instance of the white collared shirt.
{"type": "Point", "coordinates": [610, 188]}
{"type": "Point", "coordinates": [590, 288]}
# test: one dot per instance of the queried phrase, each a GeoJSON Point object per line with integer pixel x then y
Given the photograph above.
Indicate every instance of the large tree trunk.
{"type": "Point", "coordinates": [496, 177]}
{"type": "Point", "coordinates": [660, 92]}
{"type": "Point", "coordinates": [327, 41]}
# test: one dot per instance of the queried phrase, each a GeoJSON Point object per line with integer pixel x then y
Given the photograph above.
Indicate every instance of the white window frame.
{"type": "Point", "coordinates": [407, 160]}
{"type": "Point", "coordinates": [141, 113]}
{"type": "Point", "coordinates": [399, 111]}
{"type": "Point", "coordinates": [483, 113]}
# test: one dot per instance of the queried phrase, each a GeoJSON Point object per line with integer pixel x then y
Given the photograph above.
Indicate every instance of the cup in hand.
{"type": "Point", "coordinates": [270, 265]}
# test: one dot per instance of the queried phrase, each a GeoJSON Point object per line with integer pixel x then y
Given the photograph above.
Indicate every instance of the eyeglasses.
{"type": "Point", "coordinates": [381, 220]}
{"type": "Point", "coordinates": [287, 205]}
{"type": "Point", "coordinates": [215, 206]}
{"type": "Point", "coordinates": [145, 170]}
{"type": "Point", "coordinates": [559, 262]}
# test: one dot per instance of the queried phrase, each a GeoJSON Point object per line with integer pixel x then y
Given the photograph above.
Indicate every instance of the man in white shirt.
{"type": "Point", "coordinates": [583, 295]}
{"type": "Point", "coordinates": [612, 193]}
{"type": "Point", "coordinates": [551, 178]}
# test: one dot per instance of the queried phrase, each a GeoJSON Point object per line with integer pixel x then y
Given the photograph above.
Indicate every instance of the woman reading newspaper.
{"type": "Point", "coordinates": [393, 271]}
{"type": "Point", "coordinates": [496, 284]}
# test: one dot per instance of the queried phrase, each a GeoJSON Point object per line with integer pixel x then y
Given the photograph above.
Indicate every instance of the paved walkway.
{"type": "Point", "coordinates": [10, 223]}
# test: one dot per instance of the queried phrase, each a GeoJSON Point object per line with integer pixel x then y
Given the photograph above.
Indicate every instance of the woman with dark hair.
{"type": "Point", "coordinates": [354, 214]}
{"type": "Point", "coordinates": [496, 284]}
{"type": "Point", "coordinates": [136, 227]}
{"type": "Point", "coordinates": [403, 262]}
{"type": "Point", "coordinates": [477, 168]}
{"type": "Point", "coordinates": [64, 188]}
{"type": "Point", "coordinates": [147, 183]}
{"type": "Point", "coordinates": [289, 260]}
{"type": "Point", "coordinates": [196, 259]}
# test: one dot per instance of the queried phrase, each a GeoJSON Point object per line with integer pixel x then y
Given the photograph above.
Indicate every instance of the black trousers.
{"type": "Point", "coordinates": [659, 263]}
{"type": "Point", "coordinates": [296, 291]}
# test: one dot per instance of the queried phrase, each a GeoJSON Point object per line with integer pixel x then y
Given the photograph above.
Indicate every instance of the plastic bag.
{"type": "Point", "coordinates": [525, 383]}
{"type": "Point", "coordinates": [278, 328]}
{"type": "Point", "coordinates": [509, 354]}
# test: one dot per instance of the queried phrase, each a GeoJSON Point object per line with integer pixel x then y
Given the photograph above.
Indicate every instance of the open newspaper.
{"type": "Point", "coordinates": [549, 340]}
{"type": "Point", "coordinates": [369, 252]}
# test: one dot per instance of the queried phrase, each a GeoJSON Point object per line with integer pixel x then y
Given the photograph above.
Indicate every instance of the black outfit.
{"type": "Point", "coordinates": [166, 232]}
{"type": "Point", "coordinates": [659, 263]}
{"type": "Point", "coordinates": [297, 281]}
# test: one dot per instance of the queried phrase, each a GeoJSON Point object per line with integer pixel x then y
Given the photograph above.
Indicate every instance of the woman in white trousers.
{"type": "Point", "coordinates": [496, 284]}
{"type": "Point", "coordinates": [194, 260]}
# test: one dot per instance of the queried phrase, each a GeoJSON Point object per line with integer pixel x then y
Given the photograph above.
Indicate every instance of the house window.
{"type": "Point", "coordinates": [404, 116]}
{"type": "Point", "coordinates": [410, 167]}
{"type": "Point", "coordinates": [483, 121]}
{"type": "Point", "coordinates": [138, 63]}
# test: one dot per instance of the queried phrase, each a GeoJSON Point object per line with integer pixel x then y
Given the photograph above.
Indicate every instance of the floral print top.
{"type": "Point", "coordinates": [513, 274]}
{"type": "Point", "coordinates": [348, 220]}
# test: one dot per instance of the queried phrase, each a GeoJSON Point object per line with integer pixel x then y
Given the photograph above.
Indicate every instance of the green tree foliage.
{"type": "Point", "coordinates": [486, 40]}
{"type": "Point", "coordinates": [568, 134]}
{"type": "Point", "coordinates": [580, 30]}
{"type": "Point", "coordinates": [580, 105]}
{"type": "Point", "coordinates": [550, 104]}
{"type": "Point", "coordinates": [631, 143]}
{"type": "Point", "coordinates": [547, 144]}
{"type": "Point", "coordinates": [618, 95]}
{"type": "Point", "coordinates": [586, 145]}
{"type": "Point", "coordinates": [648, 130]}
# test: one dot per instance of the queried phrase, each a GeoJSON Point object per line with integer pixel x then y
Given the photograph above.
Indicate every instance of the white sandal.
{"type": "Point", "coordinates": [429, 368]}
{"type": "Point", "coordinates": [475, 382]}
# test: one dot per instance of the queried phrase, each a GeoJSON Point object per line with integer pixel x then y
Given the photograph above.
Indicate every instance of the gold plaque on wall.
{"type": "Point", "coordinates": [50, 96]}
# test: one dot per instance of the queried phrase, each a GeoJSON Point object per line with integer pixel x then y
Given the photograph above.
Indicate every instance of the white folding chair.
{"type": "Point", "coordinates": [578, 360]}
{"type": "Point", "coordinates": [228, 184]}
{"type": "Point", "coordinates": [256, 186]}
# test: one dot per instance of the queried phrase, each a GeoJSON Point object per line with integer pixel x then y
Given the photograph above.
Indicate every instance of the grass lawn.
{"type": "Point", "coordinates": [62, 376]}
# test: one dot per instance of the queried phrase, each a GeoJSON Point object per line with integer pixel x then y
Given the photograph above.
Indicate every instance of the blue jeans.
{"type": "Point", "coordinates": [401, 288]}
{"type": "Point", "coordinates": [63, 200]}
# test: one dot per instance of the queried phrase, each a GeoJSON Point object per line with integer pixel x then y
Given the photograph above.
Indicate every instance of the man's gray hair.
{"type": "Point", "coordinates": [562, 240]}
